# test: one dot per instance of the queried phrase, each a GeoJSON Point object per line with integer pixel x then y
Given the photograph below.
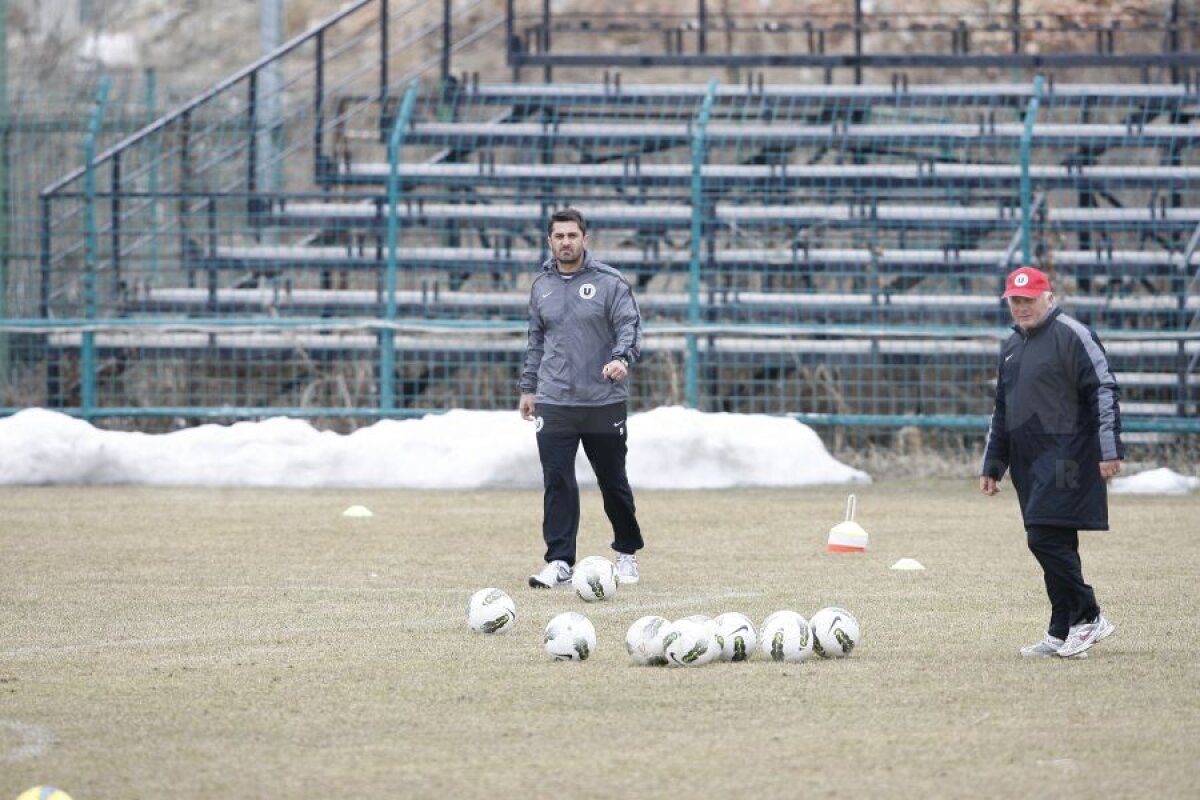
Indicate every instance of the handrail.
{"type": "Point", "coordinates": [87, 351]}
{"type": "Point", "coordinates": [1192, 287]}
{"type": "Point", "coordinates": [1018, 232]}
{"type": "Point", "coordinates": [387, 351]}
{"type": "Point", "coordinates": [1026, 183]}
{"type": "Point", "coordinates": [699, 146]}
{"type": "Point", "coordinates": [201, 99]}
{"type": "Point", "coordinates": [854, 331]}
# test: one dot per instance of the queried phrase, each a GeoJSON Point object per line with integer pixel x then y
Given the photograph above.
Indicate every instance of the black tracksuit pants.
{"type": "Point", "coordinates": [1072, 601]}
{"type": "Point", "coordinates": [602, 431]}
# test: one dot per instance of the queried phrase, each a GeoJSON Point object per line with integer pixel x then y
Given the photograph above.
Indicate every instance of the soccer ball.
{"type": "Point", "coordinates": [706, 622]}
{"type": "Point", "coordinates": [570, 637]}
{"type": "Point", "coordinates": [766, 623]}
{"type": "Point", "coordinates": [735, 632]}
{"type": "Point", "coordinates": [786, 636]}
{"type": "Point", "coordinates": [43, 793]}
{"type": "Point", "coordinates": [835, 632]}
{"type": "Point", "coordinates": [491, 611]}
{"type": "Point", "coordinates": [594, 578]}
{"type": "Point", "coordinates": [688, 644]}
{"type": "Point", "coordinates": [644, 640]}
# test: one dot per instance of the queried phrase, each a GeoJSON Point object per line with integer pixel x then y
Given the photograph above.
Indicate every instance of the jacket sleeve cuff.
{"type": "Point", "coordinates": [993, 469]}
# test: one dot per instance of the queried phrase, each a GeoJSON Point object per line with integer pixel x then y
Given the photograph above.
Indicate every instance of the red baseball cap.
{"type": "Point", "coordinates": [1026, 282]}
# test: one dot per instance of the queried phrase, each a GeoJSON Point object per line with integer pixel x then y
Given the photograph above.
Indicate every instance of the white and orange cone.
{"type": "Point", "coordinates": [848, 536]}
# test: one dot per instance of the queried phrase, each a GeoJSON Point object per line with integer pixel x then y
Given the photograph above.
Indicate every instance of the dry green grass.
{"type": "Point", "coordinates": [205, 643]}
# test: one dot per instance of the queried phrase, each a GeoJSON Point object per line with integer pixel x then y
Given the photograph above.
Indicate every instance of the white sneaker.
{"type": "Point", "coordinates": [627, 568]}
{"type": "Point", "coordinates": [556, 573]}
{"type": "Point", "coordinates": [1086, 634]}
{"type": "Point", "coordinates": [1049, 646]}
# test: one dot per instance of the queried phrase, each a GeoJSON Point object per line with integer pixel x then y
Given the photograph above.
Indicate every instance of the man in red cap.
{"type": "Point", "coordinates": [1056, 429]}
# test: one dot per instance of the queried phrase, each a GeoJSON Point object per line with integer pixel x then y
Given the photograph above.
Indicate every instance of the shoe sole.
{"type": "Point", "coordinates": [1052, 655]}
{"type": "Point", "coordinates": [627, 581]}
{"type": "Point", "coordinates": [1081, 651]}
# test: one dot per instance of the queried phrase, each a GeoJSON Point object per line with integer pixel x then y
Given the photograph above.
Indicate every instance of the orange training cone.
{"type": "Point", "coordinates": [848, 536]}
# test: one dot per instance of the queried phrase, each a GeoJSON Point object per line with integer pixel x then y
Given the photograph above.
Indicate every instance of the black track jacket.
{"type": "Point", "coordinates": [1057, 417]}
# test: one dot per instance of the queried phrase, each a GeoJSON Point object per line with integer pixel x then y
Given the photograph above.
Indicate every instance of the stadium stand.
{"type": "Point", "coordinates": [833, 251]}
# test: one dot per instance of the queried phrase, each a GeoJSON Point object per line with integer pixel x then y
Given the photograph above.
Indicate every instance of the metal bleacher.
{"type": "Point", "coordinates": [830, 251]}
{"type": "Point", "coordinates": [933, 205]}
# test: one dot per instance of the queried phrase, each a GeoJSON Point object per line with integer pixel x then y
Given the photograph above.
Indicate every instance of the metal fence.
{"type": "Point", "coordinates": [339, 242]}
{"type": "Point", "coordinates": [856, 41]}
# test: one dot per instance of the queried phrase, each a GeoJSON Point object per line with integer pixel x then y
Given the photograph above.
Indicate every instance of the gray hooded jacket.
{"type": "Point", "coordinates": [577, 324]}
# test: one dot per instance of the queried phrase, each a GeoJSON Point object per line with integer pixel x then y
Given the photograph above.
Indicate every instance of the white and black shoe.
{"type": "Point", "coordinates": [556, 573]}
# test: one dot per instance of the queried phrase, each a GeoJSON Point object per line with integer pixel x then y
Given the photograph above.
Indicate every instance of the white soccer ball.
{"type": "Point", "coordinates": [835, 632]}
{"type": "Point", "coordinates": [736, 635]}
{"type": "Point", "coordinates": [570, 637]}
{"type": "Point", "coordinates": [644, 640]}
{"type": "Point", "coordinates": [786, 636]}
{"type": "Point", "coordinates": [708, 624]}
{"type": "Point", "coordinates": [594, 579]}
{"type": "Point", "coordinates": [689, 644]}
{"type": "Point", "coordinates": [770, 617]}
{"type": "Point", "coordinates": [491, 611]}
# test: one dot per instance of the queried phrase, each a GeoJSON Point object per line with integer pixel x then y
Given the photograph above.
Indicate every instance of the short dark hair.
{"type": "Point", "coordinates": [567, 214]}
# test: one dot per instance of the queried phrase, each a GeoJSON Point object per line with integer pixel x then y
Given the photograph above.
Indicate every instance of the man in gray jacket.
{"type": "Point", "coordinates": [585, 331]}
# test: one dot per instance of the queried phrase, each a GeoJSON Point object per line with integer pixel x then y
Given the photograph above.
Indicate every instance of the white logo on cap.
{"type": "Point", "coordinates": [1021, 280]}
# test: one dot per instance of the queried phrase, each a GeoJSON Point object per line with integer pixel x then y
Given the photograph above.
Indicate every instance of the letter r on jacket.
{"type": "Point", "coordinates": [1066, 474]}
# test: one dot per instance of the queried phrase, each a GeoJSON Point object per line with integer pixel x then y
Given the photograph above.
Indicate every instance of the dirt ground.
{"type": "Point", "coordinates": [209, 643]}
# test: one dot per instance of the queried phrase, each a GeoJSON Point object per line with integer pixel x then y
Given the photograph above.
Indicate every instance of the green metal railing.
{"type": "Point", "coordinates": [387, 346]}
{"type": "Point", "coordinates": [699, 156]}
{"type": "Point", "coordinates": [1026, 181]}
{"type": "Point", "coordinates": [90, 249]}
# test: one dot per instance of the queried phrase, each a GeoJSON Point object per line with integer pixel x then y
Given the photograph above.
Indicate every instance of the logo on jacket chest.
{"type": "Point", "coordinates": [587, 291]}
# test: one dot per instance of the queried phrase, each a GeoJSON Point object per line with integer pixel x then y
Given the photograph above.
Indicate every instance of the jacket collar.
{"type": "Point", "coordinates": [1051, 315]}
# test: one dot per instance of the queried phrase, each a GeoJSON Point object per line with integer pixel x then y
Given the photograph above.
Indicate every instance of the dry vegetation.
{"type": "Point", "coordinates": [199, 644]}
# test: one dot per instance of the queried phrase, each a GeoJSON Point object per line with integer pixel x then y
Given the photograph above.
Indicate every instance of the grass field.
{"type": "Point", "coordinates": [245, 643]}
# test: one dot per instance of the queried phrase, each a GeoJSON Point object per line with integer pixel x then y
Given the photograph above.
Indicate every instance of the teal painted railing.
{"type": "Point", "coordinates": [699, 154]}
{"type": "Point", "coordinates": [387, 342]}
{"type": "Point", "coordinates": [87, 354]}
{"type": "Point", "coordinates": [1026, 181]}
